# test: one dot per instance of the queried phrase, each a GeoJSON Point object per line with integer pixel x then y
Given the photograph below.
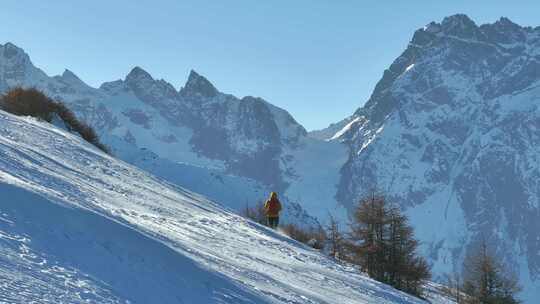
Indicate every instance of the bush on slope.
{"type": "Point", "coordinates": [32, 102]}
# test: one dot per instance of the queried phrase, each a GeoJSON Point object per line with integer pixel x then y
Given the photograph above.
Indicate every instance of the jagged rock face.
{"type": "Point", "coordinates": [15, 70]}
{"type": "Point", "coordinates": [451, 132]}
{"type": "Point", "coordinates": [243, 133]}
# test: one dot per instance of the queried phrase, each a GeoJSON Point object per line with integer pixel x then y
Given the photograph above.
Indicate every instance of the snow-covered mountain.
{"type": "Point", "coordinates": [233, 150]}
{"type": "Point", "coordinates": [452, 133]}
{"type": "Point", "coordinates": [79, 226]}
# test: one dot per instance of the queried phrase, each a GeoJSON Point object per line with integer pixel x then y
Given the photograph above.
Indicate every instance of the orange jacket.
{"type": "Point", "coordinates": [272, 207]}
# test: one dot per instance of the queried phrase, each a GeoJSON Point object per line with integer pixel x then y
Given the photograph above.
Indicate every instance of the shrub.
{"type": "Point", "coordinates": [29, 102]}
{"type": "Point", "coordinates": [32, 102]}
{"type": "Point", "coordinates": [73, 124]}
{"type": "Point", "coordinates": [312, 237]}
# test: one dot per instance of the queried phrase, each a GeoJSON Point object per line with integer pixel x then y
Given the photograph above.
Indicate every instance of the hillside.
{"type": "Point", "coordinates": [78, 226]}
{"type": "Point", "coordinates": [451, 134]}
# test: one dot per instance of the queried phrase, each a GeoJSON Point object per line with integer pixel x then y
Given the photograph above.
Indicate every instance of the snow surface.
{"type": "Point", "coordinates": [328, 132]}
{"type": "Point", "coordinates": [316, 176]}
{"type": "Point", "coordinates": [345, 129]}
{"type": "Point", "coordinates": [78, 226]}
{"type": "Point", "coordinates": [409, 67]}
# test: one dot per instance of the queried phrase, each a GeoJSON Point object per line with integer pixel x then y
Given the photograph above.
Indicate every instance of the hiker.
{"type": "Point", "coordinates": [272, 207]}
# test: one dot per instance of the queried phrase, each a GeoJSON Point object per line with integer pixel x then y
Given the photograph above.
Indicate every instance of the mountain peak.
{"type": "Point", "coordinates": [70, 78]}
{"type": "Point", "coordinates": [138, 79]}
{"type": "Point", "coordinates": [460, 25]}
{"type": "Point", "coordinates": [197, 84]}
{"type": "Point", "coordinates": [10, 50]}
{"type": "Point", "coordinates": [457, 19]}
{"type": "Point", "coordinates": [506, 21]}
{"type": "Point", "coordinates": [504, 31]}
{"type": "Point", "coordinates": [69, 75]}
{"type": "Point", "coordinates": [506, 25]}
{"type": "Point", "coordinates": [193, 75]}
{"type": "Point", "coordinates": [137, 74]}
{"type": "Point", "coordinates": [12, 46]}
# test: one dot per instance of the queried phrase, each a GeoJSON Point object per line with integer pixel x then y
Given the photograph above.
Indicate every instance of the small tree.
{"type": "Point", "coordinates": [313, 237]}
{"type": "Point", "coordinates": [404, 269]}
{"type": "Point", "coordinates": [367, 230]}
{"type": "Point", "coordinates": [454, 287]}
{"type": "Point", "coordinates": [385, 247]}
{"type": "Point", "coordinates": [486, 281]}
{"type": "Point", "coordinates": [335, 238]}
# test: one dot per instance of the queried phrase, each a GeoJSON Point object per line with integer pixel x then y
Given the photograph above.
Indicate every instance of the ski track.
{"type": "Point", "coordinates": [241, 262]}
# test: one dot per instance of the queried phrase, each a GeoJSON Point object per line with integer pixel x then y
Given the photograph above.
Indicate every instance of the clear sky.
{"type": "Point", "coordinates": [318, 59]}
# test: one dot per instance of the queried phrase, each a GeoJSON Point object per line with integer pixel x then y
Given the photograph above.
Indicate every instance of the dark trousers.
{"type": "Point", "coordinates": [273, 222]}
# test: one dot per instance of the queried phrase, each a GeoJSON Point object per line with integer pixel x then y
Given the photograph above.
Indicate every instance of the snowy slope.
{"type": "Point", "coordinates": [331, 131]}
{"type": "Point", "coordinates": [78, 226]}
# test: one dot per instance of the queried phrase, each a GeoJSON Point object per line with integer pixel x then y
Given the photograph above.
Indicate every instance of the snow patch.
{"type": "Point", "coordinates": [345, 129]}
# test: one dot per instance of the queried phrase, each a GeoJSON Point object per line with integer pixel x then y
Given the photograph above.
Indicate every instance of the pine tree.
{"type": "Point", "coordinates": [368, 230]}
{"type": "Point", "coordinates": [385, 245]}
{"type": "Point", "coordinates": [335, 238]}
{"type": "Point", "coordinates": [486, 282]}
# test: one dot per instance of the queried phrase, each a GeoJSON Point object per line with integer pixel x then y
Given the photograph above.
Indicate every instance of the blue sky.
{"type": "Point", "coordinates": [318, 59]}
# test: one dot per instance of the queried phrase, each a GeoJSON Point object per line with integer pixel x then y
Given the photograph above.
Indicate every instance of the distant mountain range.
{"type": "Point", "coordinates": [451, 133]}
{"type": "Point", "coordinates": [233, 150]}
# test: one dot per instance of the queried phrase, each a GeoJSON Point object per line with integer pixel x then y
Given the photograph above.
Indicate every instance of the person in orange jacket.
{"type": "Point", "coordinates": [272, 207]}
